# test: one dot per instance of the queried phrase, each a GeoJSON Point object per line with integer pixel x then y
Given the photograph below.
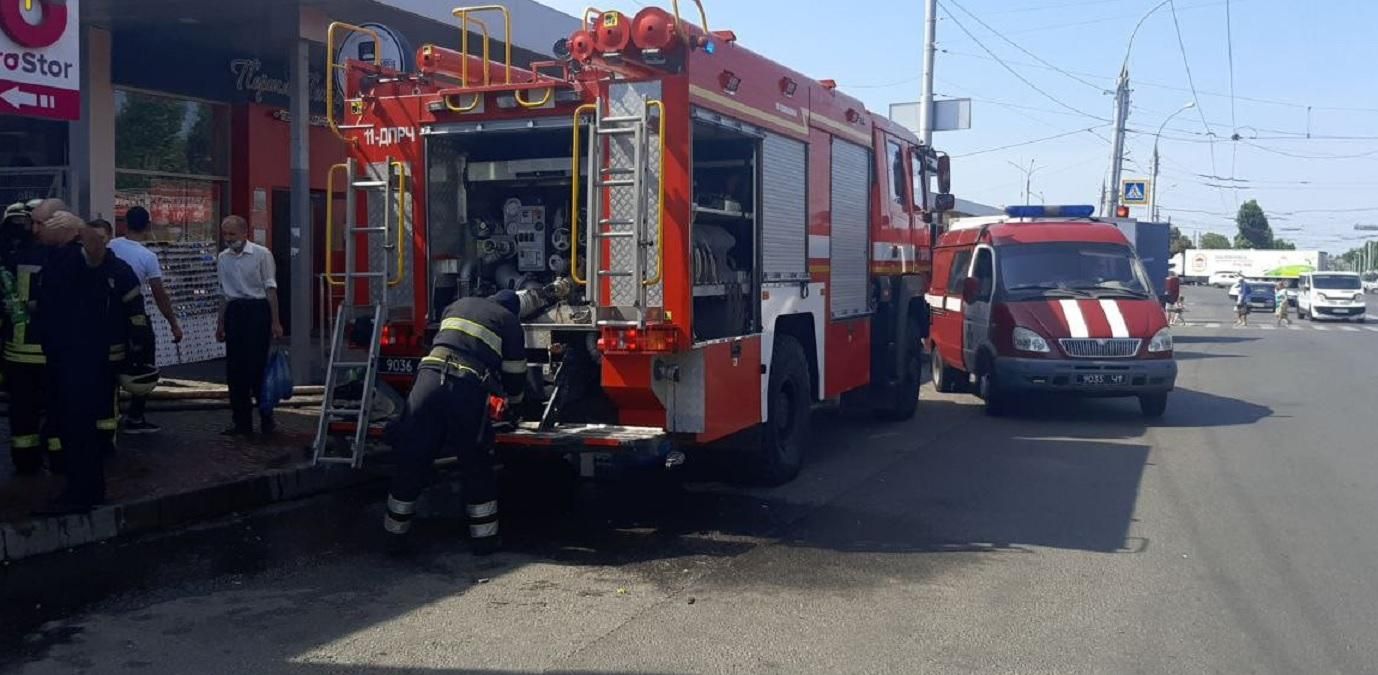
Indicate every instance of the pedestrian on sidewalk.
{"type": "Point", "coordinates": [90, 304]}
{"type": "Point", "coordinates": [248, 322]}
{"type": "Point", "coordinates": [1241, 305]}
{"type": "Point", "coordinates": [1283, 310]}
{"type": "Point", "coordinates": [131, 249]}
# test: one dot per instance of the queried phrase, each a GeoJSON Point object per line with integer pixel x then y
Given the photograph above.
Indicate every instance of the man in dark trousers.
{"type": "Point", "coordinates": [89, 300]}
{"type": "Point", "coordinates": [479, 352]}
{"type": "Point", "coordinates": [248, 321]}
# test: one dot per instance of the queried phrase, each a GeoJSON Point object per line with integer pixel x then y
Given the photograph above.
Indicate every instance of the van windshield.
{"type": "Point", "coordinates": [1336, 282]}
{"type": "Point", "coordinates": [1070, 269]}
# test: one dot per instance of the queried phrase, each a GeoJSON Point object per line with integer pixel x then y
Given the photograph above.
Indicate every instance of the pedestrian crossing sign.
{"type": "Point", "coordinates": [1135, 192]}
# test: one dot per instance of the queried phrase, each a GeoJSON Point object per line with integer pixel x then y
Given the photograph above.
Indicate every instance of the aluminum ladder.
{"type": "Point", "coordinates": [346, 359]}
{"type": "Point", "coordinates": [607, 185]}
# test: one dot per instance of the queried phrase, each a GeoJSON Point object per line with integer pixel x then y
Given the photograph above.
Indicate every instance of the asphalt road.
{"type": "Point", "coordinates": [1235, 535]}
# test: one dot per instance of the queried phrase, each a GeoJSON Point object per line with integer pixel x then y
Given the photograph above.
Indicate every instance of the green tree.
{"type": "Point", "coordinates": [1283, 245]}
{"type": "Point", "coordinates": [149, 133]}
{"type": "Point", "coordinates": [1254, 231]}
{"type": "Point", "coordinates": [1179, 241]}
{"type": "Point", "coordinates": [1212, 240]}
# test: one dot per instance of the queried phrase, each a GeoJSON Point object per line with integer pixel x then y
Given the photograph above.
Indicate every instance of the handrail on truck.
{"type": "Point", "coordinates": [574, 193]}
{"type": "Point", "coordinates": [332, 66]}
{"type": "Point", "coordinates": [703, 17]}
{"type": "Point", "coordinates": [401, 221]}
{"type": "Point", "coordinates": [329, 276]}
{"type": "Point", "coordinates": [462, 13]}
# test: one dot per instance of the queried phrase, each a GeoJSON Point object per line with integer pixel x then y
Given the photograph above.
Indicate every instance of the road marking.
{"type": "Point", "coordinates": [1318, 327]}
{"type": "Point", "coordinates": [1293, 327]}
{"type": "Point", "coordinates": [1212, 325]}
{"type": "Point", "coordinates": [1267, 327]}
{"type": "Point", "coordinates": [1371, 329]}
{"type": "Point", "coordinates": [1349, 329]}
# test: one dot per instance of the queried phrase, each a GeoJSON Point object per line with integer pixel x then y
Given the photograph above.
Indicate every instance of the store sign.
{"type": "Point", "coordinates": [40, 58]}
{"type": "Point", "coordinates": [390, 50]}
{"type": "Point", "coordinates": [170, 202]}
{"type": "Point", "coordinates": [250, 77]}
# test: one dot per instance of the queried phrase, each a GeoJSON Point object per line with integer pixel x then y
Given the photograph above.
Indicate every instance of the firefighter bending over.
{"type": "Point", "coordinates": [479, 352]}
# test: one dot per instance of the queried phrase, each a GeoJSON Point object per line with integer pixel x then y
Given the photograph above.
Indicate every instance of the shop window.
{"type": "Point", "coordinates": [172, 158]}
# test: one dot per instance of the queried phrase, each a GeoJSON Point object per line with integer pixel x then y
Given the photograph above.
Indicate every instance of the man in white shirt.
{"type": "Point", "coordinates": [248, 321]}
{"type": "Point", "coordinates": [130, 248]}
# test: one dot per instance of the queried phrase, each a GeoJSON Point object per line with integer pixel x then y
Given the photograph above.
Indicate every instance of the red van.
{"type": "Point", "coordinates": [1046, 299]}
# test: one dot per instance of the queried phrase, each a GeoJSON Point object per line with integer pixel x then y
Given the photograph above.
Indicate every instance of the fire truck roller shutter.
{"type": "Point", "coordinates": [784, 217]}
{"type": "Point", "coordinates": [851, 226]}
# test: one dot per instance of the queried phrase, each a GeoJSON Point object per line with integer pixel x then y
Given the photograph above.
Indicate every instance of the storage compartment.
{"type": "Point", "coordinates": [499, 214]}
{"type": "Point", "coordinates": [725, 248]}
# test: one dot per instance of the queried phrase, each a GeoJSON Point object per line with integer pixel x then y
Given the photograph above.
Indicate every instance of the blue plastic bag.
{"type": "Point", "coordinates": [277, 381]}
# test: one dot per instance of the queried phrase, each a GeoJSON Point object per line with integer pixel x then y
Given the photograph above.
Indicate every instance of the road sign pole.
{"type": "Point", "coordinates": [930, 30]}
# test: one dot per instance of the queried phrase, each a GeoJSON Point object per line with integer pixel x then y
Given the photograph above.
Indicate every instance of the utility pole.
{"type": "Point", "coordinates": [930, 31]}
{"type": "Point", "coordinates": [1153, 184]}
{"type": "Point", "coordinates": [1028, 178]}
{"type": "Point", "coordinates": [1117, 144]}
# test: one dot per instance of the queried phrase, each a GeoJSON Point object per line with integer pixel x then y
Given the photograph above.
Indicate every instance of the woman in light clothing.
{"type": "Point", "coordinates": [1283, 310]}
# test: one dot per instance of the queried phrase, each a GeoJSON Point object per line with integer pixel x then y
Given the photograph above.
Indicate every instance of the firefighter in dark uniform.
{"type": "Point", "coordinates": [479, 352]}
{"type": "Point", "coordinates": [89, 299]}
{"type": "Point", "coordinates": [33, 423]}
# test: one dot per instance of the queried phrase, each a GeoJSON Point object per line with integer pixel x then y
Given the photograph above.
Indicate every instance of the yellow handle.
{"type": "Point", "coordinates": [660, 209]}
{"type": "Point", "coordinates": [703, 16]}
{"type": "Point", "coordinates": [575, 198]}
{"type": "Point", "coordinates": [332, 66]}
{"type": "Point", "coordinates": [463, 108]}
{"type": "Point", "coordinates": [549, 94]}
{"type": "Point", "coordinates": [463, 13]}
{"type": "Point", "coordinates": [401, 221]}
{"type": "Point", "coordinates": [330, 222]}
{"type": "Point", "coordinates": [464, 48]}
{"type": "Point", "coordinates": [590, 12]}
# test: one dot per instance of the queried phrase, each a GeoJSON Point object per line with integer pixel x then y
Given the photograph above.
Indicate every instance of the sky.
{"type": "Point", "coordinates": [1298, 68]}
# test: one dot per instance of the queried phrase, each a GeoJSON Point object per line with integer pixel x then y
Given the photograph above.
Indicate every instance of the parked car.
{"type": "Point", "coordinates": [1331, 295]}
{"type": "Point", "coordinates": [1224, 279]}
{"type": "Point", "coordinates": [1262, 296]}
{"type": "Point", "coordinates": [1371, 283]}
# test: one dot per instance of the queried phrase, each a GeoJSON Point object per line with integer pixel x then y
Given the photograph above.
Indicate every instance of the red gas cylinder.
{"type": "Point", "coordinates": [654, 28]}
{"type": "Point", "coordinates": [581, 47]}
{"type": "Point", "coordinates": [612, 32]}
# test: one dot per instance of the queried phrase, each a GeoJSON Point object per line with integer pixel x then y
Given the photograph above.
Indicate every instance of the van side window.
{"type": "Point", "coordinates": [959, 272]}
{"type": "Point", "coordinates": [984, 271]}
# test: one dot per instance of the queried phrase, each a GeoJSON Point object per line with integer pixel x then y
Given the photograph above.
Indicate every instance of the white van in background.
{"type": "Point", "coordinates": [1331, 295]}
{"type": "Point", "coordinates": [1224, 279]}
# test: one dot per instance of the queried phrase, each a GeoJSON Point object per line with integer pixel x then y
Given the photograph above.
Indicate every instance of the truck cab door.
{"type": "Point", "coordinates": [976, 311]}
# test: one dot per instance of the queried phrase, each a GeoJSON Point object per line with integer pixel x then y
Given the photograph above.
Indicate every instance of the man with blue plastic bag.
{"type": "Point", "coordinates": [248, 322]}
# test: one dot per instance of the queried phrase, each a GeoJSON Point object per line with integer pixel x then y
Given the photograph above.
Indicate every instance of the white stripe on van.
{"type": "Point", "coordinates": [1076, 323]}
{"type": "Point", "coordinates": [1118, 328]}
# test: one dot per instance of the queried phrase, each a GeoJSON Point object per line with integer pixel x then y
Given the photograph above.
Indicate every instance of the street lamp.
{"type": "Point", "coordinates": [1122, 115]}
{"type": "Point", "coordinates": [1028, 177]}
{"type": "Point", "coordinates": [1153, 184]}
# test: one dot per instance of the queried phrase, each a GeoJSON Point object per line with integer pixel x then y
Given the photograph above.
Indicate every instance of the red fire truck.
{"type": "Point", "coordinates": [734, 241]}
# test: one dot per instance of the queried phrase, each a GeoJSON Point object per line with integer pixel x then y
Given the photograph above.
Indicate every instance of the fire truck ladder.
{"type": "Point", "coordinates": [349, 363]}
{"type": "Point", "coordinates": [636, 227]}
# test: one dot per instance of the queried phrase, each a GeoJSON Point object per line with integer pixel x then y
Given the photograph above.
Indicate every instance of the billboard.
{"type": "Point", "coordinates": [40, 59]}
{"type": "Point", "coordinates": [1251, 263]}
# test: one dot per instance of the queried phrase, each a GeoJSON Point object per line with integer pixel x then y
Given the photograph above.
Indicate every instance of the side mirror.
{"type": "Point", "coordinates": [944, 202]}
{"type": "Point", "coordinates": [944, 173]}
{"type": "Point", "coordinates": [971, 290]}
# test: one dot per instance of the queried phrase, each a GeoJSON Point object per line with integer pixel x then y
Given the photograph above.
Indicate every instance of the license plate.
{"type": "Point", "coordinates": [396, 366]}
{"type": "Point", "coordinates": [1100, 378]}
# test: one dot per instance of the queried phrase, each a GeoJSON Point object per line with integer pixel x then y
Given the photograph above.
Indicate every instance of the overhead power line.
{"type": "Point", "coordinates": [1021, 48]}
{"type": "Point", "coordinates": [1297, 155]}
{"type": "Point", "coordinates": [1234, 124]}
{"type": "Point", "coordinates": [1191, 82]}
{"type": "Point", "coordinates": [1014, 72]}
{"type": "Point", "coordinates": [1032, 141]}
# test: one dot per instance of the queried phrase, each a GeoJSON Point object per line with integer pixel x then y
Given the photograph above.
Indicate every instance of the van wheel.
{"type": "Point", "coordinates": [1153, 405]}
{"type": "Point", "coordinates": [779, 453]}
{"type": "Point", "coordinates": [946, 380]}
{"type": "Point", "coordinates": [906, 400]}
{"type": "Point", "coordinates": [997, 401]}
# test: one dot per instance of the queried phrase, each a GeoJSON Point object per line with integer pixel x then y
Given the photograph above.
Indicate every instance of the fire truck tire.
{"type": "Point", "coordinates": [906, 400]}
{"type": "Point", "coordinates": [997, 400]}
{"type": "Point", "coordinates": [780, 451]}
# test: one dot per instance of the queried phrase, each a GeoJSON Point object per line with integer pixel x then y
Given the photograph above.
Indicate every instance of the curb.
{"type": "Point", "coordinates": [46, 535]}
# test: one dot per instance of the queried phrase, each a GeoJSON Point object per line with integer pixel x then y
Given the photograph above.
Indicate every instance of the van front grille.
{"type": "Point", "coordinates": [1100, 348]}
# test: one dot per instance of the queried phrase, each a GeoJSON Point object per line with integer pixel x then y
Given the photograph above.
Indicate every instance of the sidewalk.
{"type": "Point", "coordinates": [185, 474]}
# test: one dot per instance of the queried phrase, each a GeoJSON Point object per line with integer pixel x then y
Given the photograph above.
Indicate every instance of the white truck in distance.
{"type": "Point", "coordinates": [1203, 265]}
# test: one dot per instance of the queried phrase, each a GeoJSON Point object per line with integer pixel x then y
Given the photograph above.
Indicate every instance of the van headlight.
{"type": "Point", "coordinates": [1358, 297]}
{"type": "Point", "coordinates": [1026, 340]}
{"type": "Point", "coordinates": [1161, 342]}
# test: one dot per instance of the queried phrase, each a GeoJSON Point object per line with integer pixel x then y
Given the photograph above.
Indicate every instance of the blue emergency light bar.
{"type": "Point", "coordinates": [1043, 211]}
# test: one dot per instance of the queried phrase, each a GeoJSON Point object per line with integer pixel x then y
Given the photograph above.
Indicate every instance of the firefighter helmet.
{"type": "Point", "coordinates": [139, 380]}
